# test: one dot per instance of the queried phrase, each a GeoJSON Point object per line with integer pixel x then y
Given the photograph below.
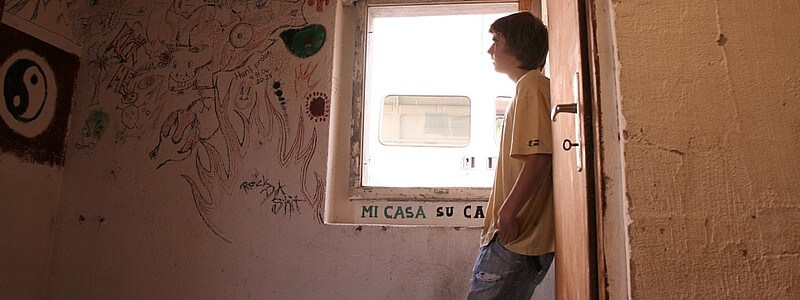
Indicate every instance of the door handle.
{"type": "Point", "coordinates": [563, 108]}
{"type": "Point", "coordinates": [573, 108]}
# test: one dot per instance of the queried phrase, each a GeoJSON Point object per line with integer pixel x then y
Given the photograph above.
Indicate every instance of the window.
{"type": "Point", "coordinates": [422, 139]}
{"type": "Point", "coordinates": [415, 132]}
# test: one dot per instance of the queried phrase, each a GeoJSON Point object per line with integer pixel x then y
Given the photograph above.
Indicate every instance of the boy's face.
{"type": "Point", "coordinates": [504, 62]}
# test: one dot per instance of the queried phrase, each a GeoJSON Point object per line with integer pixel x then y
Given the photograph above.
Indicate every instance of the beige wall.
{"type": "Point", "coordinates": [29, 194]}
{"type": "Point", "coordinates": [711, 113]}
{"type": "Point", "coordinates": [30, 190]}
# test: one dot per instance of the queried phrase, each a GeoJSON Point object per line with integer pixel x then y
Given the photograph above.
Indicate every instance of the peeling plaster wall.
{"type": "Point", "coordinates": [710, 96]}
{"type": "Point", "coordinates": [196, 158]}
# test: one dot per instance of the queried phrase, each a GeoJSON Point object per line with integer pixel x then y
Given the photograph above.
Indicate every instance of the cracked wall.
{"type": "Point", "coordinates": [709, 97]}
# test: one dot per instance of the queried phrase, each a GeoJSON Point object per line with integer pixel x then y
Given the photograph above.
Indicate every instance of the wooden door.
{"type": "Point", "coordinates": [576, 246]}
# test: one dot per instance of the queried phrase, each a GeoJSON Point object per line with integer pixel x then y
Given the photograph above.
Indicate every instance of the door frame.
{"type": "Point", "coordinates": [591, 138]}
{"type": "Point", "coordinates": [597, 179]}
{"type": "Point", "coordinates": [606, 203]}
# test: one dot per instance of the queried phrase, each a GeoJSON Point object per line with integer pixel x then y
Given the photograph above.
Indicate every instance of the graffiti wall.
{"type": "Point", "coordinates": [204, 86]}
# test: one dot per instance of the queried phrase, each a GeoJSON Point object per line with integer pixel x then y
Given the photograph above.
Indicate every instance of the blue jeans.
{"type": "Point", "coordinates": [501, 274]}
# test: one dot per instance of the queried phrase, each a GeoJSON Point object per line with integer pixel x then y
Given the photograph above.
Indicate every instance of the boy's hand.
{"type": "Point", "coordinates": [507, 228]}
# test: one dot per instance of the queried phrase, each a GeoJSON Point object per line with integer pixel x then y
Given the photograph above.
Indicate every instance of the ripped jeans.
{"type": "Point", "coordinates": [501, 274]}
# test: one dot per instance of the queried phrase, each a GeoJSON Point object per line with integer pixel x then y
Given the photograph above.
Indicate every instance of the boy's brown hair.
{"type": "Point", "coordinates": [526, 38]}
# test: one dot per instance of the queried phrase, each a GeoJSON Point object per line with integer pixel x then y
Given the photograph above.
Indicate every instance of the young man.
{"type": "Point", "coordinates": [517, 241]}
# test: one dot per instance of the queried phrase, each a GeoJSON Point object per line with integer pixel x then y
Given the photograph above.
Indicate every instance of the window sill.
{"type": "Point", "coordinates": [407, 213]}
{"type": "Point", "coordinates": [419, 194]}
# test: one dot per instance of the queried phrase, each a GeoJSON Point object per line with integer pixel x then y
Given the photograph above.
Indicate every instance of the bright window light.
{"type": "Point", "coordinates": [432, 96]}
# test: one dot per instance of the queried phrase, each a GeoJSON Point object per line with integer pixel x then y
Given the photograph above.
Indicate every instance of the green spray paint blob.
{"type": "Point", "coordinates": [306, 41]}
{"type": "Point", "coordinates": [96, 124]}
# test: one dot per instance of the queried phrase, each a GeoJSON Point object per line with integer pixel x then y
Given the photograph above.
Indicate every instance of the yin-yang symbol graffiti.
{"type": "Point", "coordinates": [28, 93]}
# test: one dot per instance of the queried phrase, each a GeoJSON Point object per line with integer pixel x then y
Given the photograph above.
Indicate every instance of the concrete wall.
{"type": "Point", "coordinates": [196, 162]}
{"type": "Point", "coordinates": [710, 97]}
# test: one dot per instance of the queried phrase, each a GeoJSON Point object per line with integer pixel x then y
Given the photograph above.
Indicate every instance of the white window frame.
{"type": "Point", "coordinates": [360, 200]}
{"type": "Point", "coordinates": [360, 192]}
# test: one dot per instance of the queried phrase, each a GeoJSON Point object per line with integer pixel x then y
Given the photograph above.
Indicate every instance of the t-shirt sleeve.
{"type": "Point", "coordinates": [531, 129]}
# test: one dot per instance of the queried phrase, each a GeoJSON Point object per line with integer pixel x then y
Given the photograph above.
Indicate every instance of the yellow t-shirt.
{"type": "Point", "coordinates": [526, 131]}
